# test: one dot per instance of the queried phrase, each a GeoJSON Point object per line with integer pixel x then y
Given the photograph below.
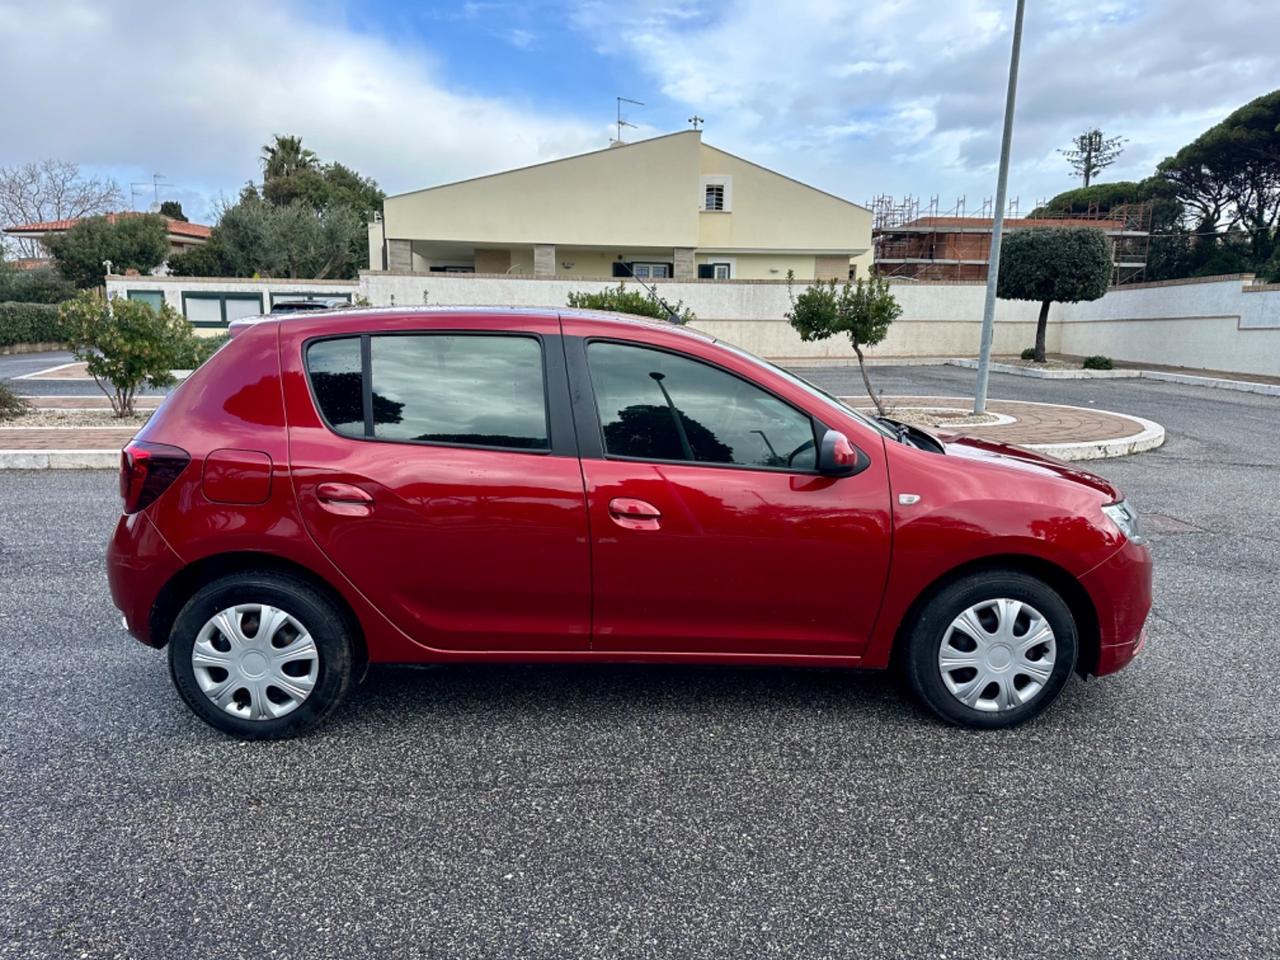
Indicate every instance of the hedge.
{"type": "Point", "coordinates": [30, 323]}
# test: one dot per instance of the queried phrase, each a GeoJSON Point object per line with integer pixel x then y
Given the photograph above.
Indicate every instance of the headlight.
{"type": "Point", "coordinates": [1126, 520]}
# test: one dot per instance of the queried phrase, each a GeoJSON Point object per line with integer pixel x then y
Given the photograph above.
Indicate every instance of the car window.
{"type": "Point", "coordinates": [454, 388]}
{"type": "Point", "coordinates": [659, 406]}
{"type": "Point", "coordinates": [334, 367]}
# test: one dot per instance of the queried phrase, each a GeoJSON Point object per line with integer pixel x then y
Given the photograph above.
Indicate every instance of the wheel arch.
{"type": "Point", "coordinates": [1068, 587]}
{"type": "Point", "coordinates": [183, 585]}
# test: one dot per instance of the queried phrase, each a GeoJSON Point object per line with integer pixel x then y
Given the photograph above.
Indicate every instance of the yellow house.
{"type": "Point", "coordinates": [669, 207]}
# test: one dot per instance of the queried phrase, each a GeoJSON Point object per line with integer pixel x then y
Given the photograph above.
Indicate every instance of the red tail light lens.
{"type": "Point", "coordinates": [147, 470]}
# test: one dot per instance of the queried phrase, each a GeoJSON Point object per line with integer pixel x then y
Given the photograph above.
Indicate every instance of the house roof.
{"type": "Point", "coordinates": [177, 228]}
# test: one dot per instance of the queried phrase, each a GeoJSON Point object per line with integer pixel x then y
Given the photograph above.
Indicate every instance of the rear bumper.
{"type": "Point", "coordinates": [139, 564]}
{"type": "Point", "coordinates": [1121, 591]}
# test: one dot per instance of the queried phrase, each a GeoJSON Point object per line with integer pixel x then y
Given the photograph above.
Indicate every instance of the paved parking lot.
{"type": "Point", "coordinates": [662, 811]}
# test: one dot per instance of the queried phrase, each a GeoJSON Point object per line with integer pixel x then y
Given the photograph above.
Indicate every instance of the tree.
{"type": "Point", "coordinates": [256, 238]}
{"type": "Point", "coordinates": [51, 190]}
{"type": "Point", "coordinates": [1053, 265]}
{"type": "Point", "coordinates": [1229, 176]}
{"type": "Point", "coordinates": [862, 310]}
{"type": "Point", "coordinates": [135, 242]}
{"type": "Point", "coordinates": [1091, 152]}
{"type": "Point", "coordinates": [286, 156]}
{"type": "Point", "coordinates": [126, 344]}
{"type": "Point", "coordinates": [622, 300]}
{"type": "Point", "coordinates": [173, 210]}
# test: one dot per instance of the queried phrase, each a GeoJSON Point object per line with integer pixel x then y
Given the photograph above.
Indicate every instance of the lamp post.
{"type": "Point", "coordinates": [997, 222]}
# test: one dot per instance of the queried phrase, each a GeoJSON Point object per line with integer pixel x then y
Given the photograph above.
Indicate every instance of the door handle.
{"type": "Point", "coordinates": [631, 514]}
{"type": "Point", "coordinates": [344, 499]}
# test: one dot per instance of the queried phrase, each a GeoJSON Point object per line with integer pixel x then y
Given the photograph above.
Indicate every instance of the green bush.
{"type": "Point", "coordinates": [30, 323]}
{"type": "Point", "coordinates": [199, 349]}
{"type": "Point", "coordinates": [622, 300]}
{"type": "Point", "coordinates": [43, 285]}
{"type": "Point", "coordinates": [125, 344]}
{"type": "Point", "coordinates": [1029, 353]}
{"type": "Point", "coordinates": [1097, 362]}
{"type": "Point", "coordinates": [11, 405]}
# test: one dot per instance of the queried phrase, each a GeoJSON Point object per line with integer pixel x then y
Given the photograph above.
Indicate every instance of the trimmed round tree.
{"type": "Point", "coordinates": [1053, 265]}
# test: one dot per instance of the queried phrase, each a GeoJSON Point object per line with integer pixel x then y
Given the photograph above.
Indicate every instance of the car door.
{"type": "Point", "coordinates": [436, 467]}
{"type": "Point", "coordinates": [712, 532]}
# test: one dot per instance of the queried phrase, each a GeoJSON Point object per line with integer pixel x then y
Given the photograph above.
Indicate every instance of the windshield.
{"type": "Point", "coordinates": [810, 388]}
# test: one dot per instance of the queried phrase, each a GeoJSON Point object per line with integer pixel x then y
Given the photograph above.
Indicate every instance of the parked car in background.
{"type": "Point", "coordinates": [433, 485]}
{"type": "Point", "coordinates": [309, 304]}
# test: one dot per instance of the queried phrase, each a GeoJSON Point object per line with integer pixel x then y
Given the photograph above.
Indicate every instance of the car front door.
{"type": "Point", "coordinates": [438, 470]}
{"type": "Point", "coordinates": [712, 532]}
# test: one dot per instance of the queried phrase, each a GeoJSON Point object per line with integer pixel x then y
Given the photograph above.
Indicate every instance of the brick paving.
{"type": "Point", "coordinates": [1034, 423]}
{"type": "Point", "coordinates": [65, 438]}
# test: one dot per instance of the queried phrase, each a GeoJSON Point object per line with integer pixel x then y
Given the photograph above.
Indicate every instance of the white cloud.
{"type": "Point", "coordinates": [193, 90]}
{"type": "Point", "coordinates": [908, 96]}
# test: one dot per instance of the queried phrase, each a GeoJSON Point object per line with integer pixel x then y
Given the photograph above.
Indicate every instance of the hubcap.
{"type": "Point", "coordinates": [255, 661]}
{"type": "Point", "coordinates": [997, 655]}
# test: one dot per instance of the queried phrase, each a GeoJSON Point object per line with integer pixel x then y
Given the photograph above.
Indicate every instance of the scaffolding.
{"type": "Point", "coordinates": [916, 239]}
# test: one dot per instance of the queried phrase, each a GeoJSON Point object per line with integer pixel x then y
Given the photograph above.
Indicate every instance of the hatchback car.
{"type": "Point", "coordinates": [410, 486]}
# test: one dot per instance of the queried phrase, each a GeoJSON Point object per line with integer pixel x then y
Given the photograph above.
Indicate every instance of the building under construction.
{"type": "Point", "coordinates": [923, 243]}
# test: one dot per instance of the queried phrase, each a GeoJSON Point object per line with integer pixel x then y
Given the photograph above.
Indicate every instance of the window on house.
{"type": "Point", "coordinates": [714, 197]}
{"type": "Point", "coordinates": [152, 298]}
{"type": "Point", "coordinates": [651, 271]}
{"type": "Point", "coordinates": [219, 309]}
{"type": "Point", "coordinates": [715, 271]}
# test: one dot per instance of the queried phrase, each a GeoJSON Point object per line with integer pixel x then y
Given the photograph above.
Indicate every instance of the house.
{"type": "Point", "coordinates": [668, 207]}
{"type": "Point", "coordinates": [182, 235]}
{"type": "Point", "coordinates": [959, 248]}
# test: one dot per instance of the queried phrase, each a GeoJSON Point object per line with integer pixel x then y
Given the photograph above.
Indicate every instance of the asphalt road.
{"type": "Point", "coordinates": [662, 811]}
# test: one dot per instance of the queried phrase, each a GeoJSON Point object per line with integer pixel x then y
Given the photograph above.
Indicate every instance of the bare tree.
{"type": "Point", "coordinates": [1091, 152]}
{"type": "Point", "coordinates": [51, 190]}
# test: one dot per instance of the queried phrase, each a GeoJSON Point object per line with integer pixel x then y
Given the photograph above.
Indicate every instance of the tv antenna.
{"type": "Point", "coordinates": [696, 121]}
{"type": "Point", "coordinates": [139, 187]}
{"type": "Point", "coordinates": [622, 122]}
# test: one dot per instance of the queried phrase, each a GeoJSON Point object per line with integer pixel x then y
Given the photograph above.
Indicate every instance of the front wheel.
{"type": "Point", "coordinates": [992, 650]}
{"type": "Point", "coordinates": [260, 655]}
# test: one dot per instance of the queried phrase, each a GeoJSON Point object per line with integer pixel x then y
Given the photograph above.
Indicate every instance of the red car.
{"type": "Point", "coordinates": [408, 486]}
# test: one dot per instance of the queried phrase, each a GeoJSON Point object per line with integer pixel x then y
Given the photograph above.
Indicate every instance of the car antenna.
{"type": "Point", "coordinates": [671, 314]}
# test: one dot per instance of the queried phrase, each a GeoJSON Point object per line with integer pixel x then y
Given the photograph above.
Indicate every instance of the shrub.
{"type": "Point", "coordinates": [1029, 353]}
{"type": "Point", "coordinates": [1097, 362]}
{"type": "Point", "coordinates": [200, 349]}
{"type": "Point", "coordinates": [126, 343]}
{"type": "Point", "coordinates": [30, 323]}
{"type": "Point", "coordinates": [634, 302]}
{"type": "Point", "coordinates": [42, 285]}
{"type": "Point", "coordinates": [130, 242]}
{"type": "Point", "coordinates": [11, 405]}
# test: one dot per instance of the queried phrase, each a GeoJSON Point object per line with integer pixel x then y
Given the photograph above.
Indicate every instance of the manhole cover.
{"type": "Point", "coordinates": [1163, 523]}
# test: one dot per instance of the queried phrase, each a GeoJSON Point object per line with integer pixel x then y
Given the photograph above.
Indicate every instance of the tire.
{"type": "Point", "coordinates": [1019, 684]}
{"type": "Point", "coordinates": [285, 686]}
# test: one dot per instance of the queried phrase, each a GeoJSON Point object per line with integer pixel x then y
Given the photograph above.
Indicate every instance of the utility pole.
{"type": "Point", "coordinates": [997, 222]}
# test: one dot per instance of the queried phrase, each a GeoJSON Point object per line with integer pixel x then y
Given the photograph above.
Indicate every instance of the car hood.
{"type": "Point", "coordinates": [1022, 459]}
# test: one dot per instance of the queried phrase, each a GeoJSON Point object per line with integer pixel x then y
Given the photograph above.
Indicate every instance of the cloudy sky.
{"type": "Point", "coordinates": [879, 96]}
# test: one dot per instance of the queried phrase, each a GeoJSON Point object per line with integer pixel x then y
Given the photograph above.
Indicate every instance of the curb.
{"type": "Point", "coordinates": [1220, 383]}
{"type": "Point", "coordinates": [59, 459]}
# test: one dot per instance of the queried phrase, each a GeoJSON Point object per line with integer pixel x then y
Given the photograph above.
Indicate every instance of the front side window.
{"type": "Point", "coordinates": [714, 197]}
{"type": "Point", "coordinates": [660, 406]}
{"type": "Point", "coordinates": [485, 391]}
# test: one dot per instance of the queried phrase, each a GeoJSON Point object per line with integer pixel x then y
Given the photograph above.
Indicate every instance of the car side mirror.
{"type": "Point", "coordinates": [837, 457]}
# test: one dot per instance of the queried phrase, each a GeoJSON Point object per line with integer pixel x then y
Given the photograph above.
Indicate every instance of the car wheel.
{"type": "Point", "coordinates": [260, 655]}
{"type": "Point", "coordinates": [992, 649]}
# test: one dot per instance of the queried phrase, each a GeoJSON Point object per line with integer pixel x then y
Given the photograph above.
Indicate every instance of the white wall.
{"type": "Point", "coordinates": [1213, 324]}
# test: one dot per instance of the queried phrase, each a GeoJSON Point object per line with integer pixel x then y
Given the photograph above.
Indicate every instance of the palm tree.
{"type": "Point", "coordinates": [286, 157]}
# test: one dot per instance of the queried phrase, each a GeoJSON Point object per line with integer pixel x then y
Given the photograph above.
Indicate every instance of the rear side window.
{"type": "Point", "coordinates": [456, 389]}
{"type": "Point", "coordinates": [659, 406]}
{"type": "Point", "coordinates": [334, 367]}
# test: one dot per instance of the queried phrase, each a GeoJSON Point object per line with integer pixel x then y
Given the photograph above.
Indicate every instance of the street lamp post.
{"type": "Point", "coordinates": [997, 222]}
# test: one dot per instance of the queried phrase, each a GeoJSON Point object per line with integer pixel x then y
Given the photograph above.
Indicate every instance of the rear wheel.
{"type": "Point", "coordinates": [260, 655]}
{"type": "Point", "coordinates": [992, 650]}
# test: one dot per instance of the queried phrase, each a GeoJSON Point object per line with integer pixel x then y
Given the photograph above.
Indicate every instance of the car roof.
{"type": "Point", "coordinates": [594, 317]}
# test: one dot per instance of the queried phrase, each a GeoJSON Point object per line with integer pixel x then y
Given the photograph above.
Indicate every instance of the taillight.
{"type": "Point", "coordinates": [147, 470]}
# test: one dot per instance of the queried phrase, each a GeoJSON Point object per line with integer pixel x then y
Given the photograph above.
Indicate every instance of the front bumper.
{"type": "Point", "coordinates": [1120, 588]}
{"type": "Point", "coordinates": [139, 564]}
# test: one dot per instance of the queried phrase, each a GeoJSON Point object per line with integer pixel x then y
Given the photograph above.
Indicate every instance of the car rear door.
{"type": "Point", "coordinates": [434, 462]}
{"type": "Point", "coordinates": [712, 532]}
